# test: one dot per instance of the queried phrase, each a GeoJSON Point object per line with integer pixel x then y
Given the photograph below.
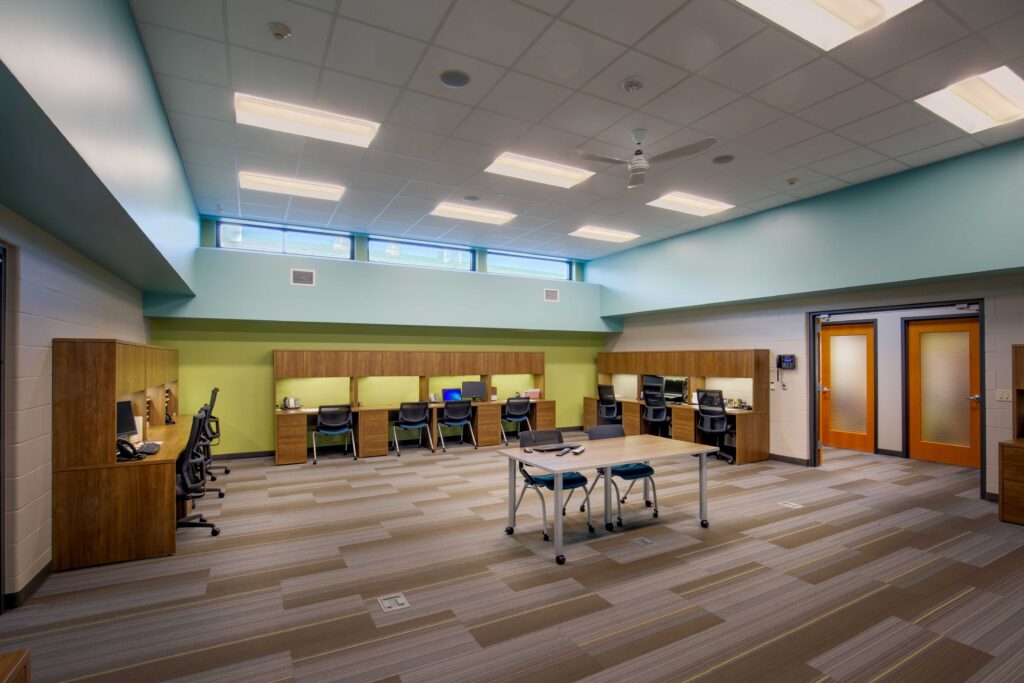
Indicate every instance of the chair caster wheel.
{"type": "Point", "coordinates": [314, 462]}
{"type": "Point", "coordinates": [509, 530]}
{"type": "Point", "coordinates": [592, 529]}
{"type": "Point", "coordinates": [648, 503]}
{"type": "Point", "coordinates": [583, 508]}
{"type": "Point", "coordinates": [619, 521]}
{"type": "Point", "coordinates": [215, 531]}
{"type": "Point", "coordinates": [220, 494]}
{"type": "Point", "coordinates": [546, 537]}
{"type": "Point", "coordinates": [227, 470]}
{"type": "Point", "coordinates": [622, 500]}
{"type": "Point", "coordinates": [705, 523]}
{"type": "Point", "coordinates": [560, 559]}
{"type": "Point", "coordinates": [203, 520]}
{"type": "Point", "coordinates": [213, 478]}
{"type": "Point", "coordinates": [655, 513]}
{"type": "Point", "coordinates": [609, 526]}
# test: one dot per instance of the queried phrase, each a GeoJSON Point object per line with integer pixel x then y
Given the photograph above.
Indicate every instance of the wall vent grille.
{"type": "Point", "coordinates": [303, 278]}
{"type": "Point", "coordinates": [552, 295]}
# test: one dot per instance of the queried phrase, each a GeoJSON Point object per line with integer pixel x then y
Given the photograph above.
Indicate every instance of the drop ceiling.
{"type": "Point", "coordinates": [546, 78]}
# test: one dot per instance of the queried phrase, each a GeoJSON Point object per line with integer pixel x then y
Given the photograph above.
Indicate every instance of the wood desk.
{"type": "Point", "coordinates": [118, 511]}
{"type": "Point", "coordinates": [1011, 481]}
{"type": "Point", "coordinates": [14, 667]}
{"type": "Point", "coordinates": [603, 453]}
{"type": "Point", "coordinates": [372, 425]}
{"type": "Point", "coordinates": [752, 426]}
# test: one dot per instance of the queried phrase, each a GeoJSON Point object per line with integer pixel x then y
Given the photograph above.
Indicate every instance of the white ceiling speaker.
{"type": "Point", "coordinates": [639, 165]}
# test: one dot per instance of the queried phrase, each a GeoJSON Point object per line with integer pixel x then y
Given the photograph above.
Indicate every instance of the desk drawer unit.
{"type": "Point", "coordinates": [485, 424]}
{"type": "Point", "coordinates": [589, 412]}
{"type": "Point", "coordinates": [683, 424]}
{"type": "Point", "coordinates": [1011, 482]}
{"type": "Point", "coordinates": [631, 418]}
{"type": "Point", "coordinates": [542, 415]}
{"type": "Point", "coordinates": [372, 432]}
{"type": "Point", "coordinates": [290, 446]}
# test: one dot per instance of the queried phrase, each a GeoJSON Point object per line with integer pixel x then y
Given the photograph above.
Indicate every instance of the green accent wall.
{"type": "Point", "coordinates": [237, 356]}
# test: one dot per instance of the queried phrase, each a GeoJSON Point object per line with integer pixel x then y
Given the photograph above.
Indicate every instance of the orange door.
{"type": "Point", "coordinates": [944, 391]}
{"type": "Point", "coordinates": [847, 396]}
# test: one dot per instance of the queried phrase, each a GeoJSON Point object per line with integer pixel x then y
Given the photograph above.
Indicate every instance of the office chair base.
{"type": "Point", "coordinates": [655, 513]}
{"type": "Point", "coordinates": [647, 503]}
{"type": "Point", "coordinates": [560, 559]}
{"type": "Point", "coordinates": [591, 528]}
{"type": "Point", "coordinates": [546, 537]}
{"type": "Point", "coordinates": [619, 521]}
{"type": "Point", "coordinates": [609, 527]}
{"type": "Point", "coordinates": [705, 523]}
{"type": "Point", "coordinates": [510, 530]}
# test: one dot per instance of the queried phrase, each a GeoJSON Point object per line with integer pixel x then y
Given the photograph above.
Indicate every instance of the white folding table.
{"type": "Point", "coordinates": [605, 453]}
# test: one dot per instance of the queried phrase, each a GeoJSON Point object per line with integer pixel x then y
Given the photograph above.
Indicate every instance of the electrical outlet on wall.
{"type": "Point", "coordinates": [1004, 395]}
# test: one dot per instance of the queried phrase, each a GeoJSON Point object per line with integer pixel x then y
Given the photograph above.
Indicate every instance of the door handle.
{"type": "Point", "coordinates": [974, 397]}
{"type": "Point", "coordinates": [824, 390]}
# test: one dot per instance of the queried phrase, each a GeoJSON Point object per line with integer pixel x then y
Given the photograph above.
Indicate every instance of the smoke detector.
{"type": "Point", "coordinates": [633, 84]}
{"type": "Point", "coordinates": [279, 31]}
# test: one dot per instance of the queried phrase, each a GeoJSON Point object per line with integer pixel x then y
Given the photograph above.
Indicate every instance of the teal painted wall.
{"type": "Point", "coordinates": [83, 63]}
{"type": "Point", "coordinates": [953, 218]}
{"type": "Point", "coordinates": [237, 285]}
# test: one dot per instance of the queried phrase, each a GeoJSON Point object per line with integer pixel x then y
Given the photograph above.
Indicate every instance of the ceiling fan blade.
{"type": "Point", "coordinates": [590, 156]}
{"type": "Point", "coordinates": [635, 180]}
{"type": "Point", "coordinates": [686, 151]}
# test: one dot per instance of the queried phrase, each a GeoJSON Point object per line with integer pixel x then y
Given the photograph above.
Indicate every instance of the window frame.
{"type": "Point", "coordinates": [284, 230]}
{"type": "Point", "coordinates": [473, 261]}
{"type": "Point", "coordinates": [554, 259]}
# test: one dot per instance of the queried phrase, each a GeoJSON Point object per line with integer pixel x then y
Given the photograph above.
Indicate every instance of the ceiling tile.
{"type": "Point", "coordinates": [416, 18]}
{"type": "Point", "coordinates": [262, 212]}
{"type": "Point", "coordinates": [199, 129]}
{"type": "Point", "coordinates": [406, 141]}
{"type": "Point", "coordinates": [466, 154]}
{"type": "Point", "coordinates": [768, 55]}
{"type": "Point", "coordinates": [941, 151]}
{"type": "Point", "coordinates": [269, 165]}
{"type": "Point", "coordinates": [487, 127]}
{"type": "Point", "coordinates": [941, 68]}
{"type": "Point", "coordinates": [375, 182]}
{"type": "Point", "coordinates": [820, 187]}
{"type": "Point", "coordinates": [1001, 134]}
{"type": "Point", "coordinates": [908, 35]}
{"type": "Point", "coordinates": [192, 97]}
{"type": "Point", "coordinates": [263, 141]}
{"type": "Point", "coordinates": [815, 149]}
{"type": "Point", "coordinates": [625, 22]}
{"type": "Point", "coordinates": [883, 168]}
{"type": "Point", "coordinates": [737, 118]}
{"type": "Point", "coordinates": [372, 53]}
{"type": "Point", "coordinates": [263, 75]}
{"type": "Point", "coordinates": [179, 54]}
{"type": "Point", "coordinates": [1007, 37]}
{"type": "Point", "coordinates": [782, 133]}
{"type": "Point", "coordinates": [326, 172]}
{"type": "Point", "coordinates": [549, 6]}
{"type": "Point", "coordinates": [857, 102]}
{"type": "Point", "coordinates": [856, 158]}
{"type": "Point", "coordinates": [525, 97]}
{"type": "Point", "coordinates": [495, 30]}
{"type": "Point", "coordinates": [547, 143]}
{"type": "Point", "coordinates": [315, 219]}
{"type": "Point", "coordinates": [212, 175]}
{"type": "Point", "coordinates": [692, 99]}
{"type": "Point", "coordinates": [621, 132]}
{"type": "Point", "coordinates": [917, 138]}
{"type": "Point", "coordinates": [567, 55]}
{"type": "Point", "coordinates": [443, 174]}
{"type": "Point", "coordinates": [885, 123]}
{"type": "Point", "coordinates": [770, 202]}
{"type": "Point", "coordinates": [482, 76]}
{"type": "Point", "coordinates": [981, 13]}
{"type": "Point", "coordinates": [207, 155]}
{"type": "Point", "coordinates": [354, 96]}
{"type": "Point", "coordinates": [389, 164]}
{"type": "Point", "coordinates": [657, 77]}
{"type": "Point", "coordinates": [428, 113]}
{"type": "Point", "coordinates": [202, 17]}
{"type": "Point", "coordinates": [428, 191]}
{"type": "Point", "coordinates": [810, 83]}
{"type": "Point", "coordinates": [325, 152]}
{"type": "Point", "coordinates": [325, 5]}
{"type": "Point", "coordinates": [247, 26]}
{"type": "Point", "coordinates": [699, 33]}
{"type": "Point", "coordinates": [585, 115]}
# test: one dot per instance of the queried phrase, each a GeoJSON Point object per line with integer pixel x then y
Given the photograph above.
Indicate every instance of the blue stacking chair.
{"type": "Point", "coordinates": [517, 411]}
{"type": "Point", "coordinates": [456, 414]}
{"type": "Point", "coordinates": [335, 421]}
{"type": "Point", "coordinates": [570, 480]}
{"type": "Point", "coordinates": [413, 416]}
{"type": "Point", "coordinates": [632, 472]}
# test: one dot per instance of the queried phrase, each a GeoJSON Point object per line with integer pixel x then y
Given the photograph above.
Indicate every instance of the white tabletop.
{"type": "Point", "coordinates": [609, 452]}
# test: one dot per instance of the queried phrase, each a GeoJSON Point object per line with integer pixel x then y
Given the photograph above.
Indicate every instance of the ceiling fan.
{"type": "Point", "coordinates": [639, 164]}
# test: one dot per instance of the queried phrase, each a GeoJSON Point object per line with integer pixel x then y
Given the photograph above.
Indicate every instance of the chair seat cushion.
{"type": "Point", "coordinates": [412, 425]}
{"type": "Point", "coordinates": [455, 423]}
{"type": "Point", "coordinates": [514, 418]}
{"type": "Point", "coordinates": [333, 432]}
{"type": "Point", "coordinates": [634, 470]}
{"type": "Point", "coordinates": [570, 480]}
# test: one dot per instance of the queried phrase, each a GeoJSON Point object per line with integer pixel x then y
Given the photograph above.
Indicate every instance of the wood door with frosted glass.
{"type": "Point", "coordinates": [847, 395]}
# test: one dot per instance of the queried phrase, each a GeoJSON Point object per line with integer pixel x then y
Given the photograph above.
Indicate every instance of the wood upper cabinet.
{"type": "Point", "coordinates": [132, 362]}
{"type": "Point", "coordinates": [161, 366]}
{"type": "Point", "coordinates": [336, 363]}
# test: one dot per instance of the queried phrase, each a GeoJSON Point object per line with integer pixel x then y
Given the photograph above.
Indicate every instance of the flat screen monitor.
{"type": "Point", "coordinates": [675, 387]}
{"type": "Point", "coordinates": [473, 390]}
{"type": "Point", "coordinates": [125, 419]}
{"type": "Point", "coordinates": [451, 394]}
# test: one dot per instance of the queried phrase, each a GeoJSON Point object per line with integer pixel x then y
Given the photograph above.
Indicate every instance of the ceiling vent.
{"type": "Point", "coordinates": [304, 278]}
{"type": "Point", "coordinates": [551, 295]}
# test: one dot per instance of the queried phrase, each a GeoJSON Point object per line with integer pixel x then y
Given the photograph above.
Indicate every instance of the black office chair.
{"type": "Point", "coordinates": [413, 416]}
{"type": "Point", "coordinates": [213, 435]}
{"type": "Point", "coordinates": [570, 480]}
{"type": "Point", "coordinates": [335, 420]}
{"type": "Point", "coordinates": [190, 481]}
{"type": "Point", "coordinates": [607, 407]}
{"type": "Point", "coordinates": [656, 414]}
{"type": "Point", "coordinates": [203, 445]}
{"type": "Point", "coordinates": [456, 414]}
{"type": "Point", "coordinates": [517, 411]}
{"type": "Point", "coordinates": [632, 472]}
{"type": "Point", "coordinates": [712, 419]}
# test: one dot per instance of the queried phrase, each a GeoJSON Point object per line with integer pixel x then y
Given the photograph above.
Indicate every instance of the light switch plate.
{"type": "Point", "coordinates": [1004, 395]}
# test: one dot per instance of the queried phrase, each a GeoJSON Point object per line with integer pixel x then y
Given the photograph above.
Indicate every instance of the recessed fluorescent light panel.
{"type": "Point", "coordinates": [593, 232]}
{"type": "Point", "coordinates": [472, 213]}
{"type": "Point", "coordinates": [690, 203]}
{"type": "Point", "coordinates": [980, 102]}
{"type": "Point", "coordinates": [828, 23]}
{"type": "Point", "coordinates": [538, 170]}
{"type": "Point", "coordinates": [297, 120]}
{"type": "Point", "coordinates": [299, 188]}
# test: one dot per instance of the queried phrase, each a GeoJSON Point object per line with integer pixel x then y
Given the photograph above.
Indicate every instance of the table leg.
{"type": "Point", "coordinates": [559, 556]}
{"type": "Point", "coordinates": [647, 488]}
{"type": "Point", "coordinates": [704, 491]}
{"type": "Point", "coordinates": [511, 497]}
{"type": "Point", "coordinates": [608, 500]}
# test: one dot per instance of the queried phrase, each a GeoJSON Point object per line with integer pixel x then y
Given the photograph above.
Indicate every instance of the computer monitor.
{"type": "Point", "coordinates": [451, 394]}
{"type": "Point", "coordinates": [473, 390]}
{"type": "Point", "coordinates": [675, 388]}
{"type": "Point", "coordinates": [125, 419]}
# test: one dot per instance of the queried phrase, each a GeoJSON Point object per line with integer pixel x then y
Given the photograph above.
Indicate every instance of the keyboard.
{"type": "Point", "coordinates": [149, 448]}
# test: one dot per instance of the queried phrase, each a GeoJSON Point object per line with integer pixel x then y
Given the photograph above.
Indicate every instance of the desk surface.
{"type": "Point", "coordinates": [312, 410]}
{"type": "Point", "coordinates": [685, 406]}
{"type": "Point", "coordinates": [609, 452]}
{"type": "Point", "coordinates": [173, 438]}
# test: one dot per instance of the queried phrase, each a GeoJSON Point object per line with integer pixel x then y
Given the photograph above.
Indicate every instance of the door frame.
{"type": "Point", "coordinates": [874, 364]}
{"type": "Point", "coordinates": [814, 424]}
{"type": "Point", "coordinates": [905, 371]}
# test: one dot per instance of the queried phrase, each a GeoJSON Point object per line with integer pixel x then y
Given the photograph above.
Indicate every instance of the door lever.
{"type": "Point", "coordinates": [974, 397]}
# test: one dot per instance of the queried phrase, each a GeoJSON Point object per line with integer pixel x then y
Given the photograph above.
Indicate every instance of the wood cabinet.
{"type": "Point", "coordinates": [14, 667]}
{"type": "Point", "coordinates": [542, 414]}
{"type": "Point", "coordinates": [487, 424]}
{"type": "Point", "coordinates": [290, 438]}
{"type": "Point", "coordinates": [372, 432]}
{"type": "Point", "coordinates": [589, 412]}
{"type": "Point", "coordinates": [1011, 481]}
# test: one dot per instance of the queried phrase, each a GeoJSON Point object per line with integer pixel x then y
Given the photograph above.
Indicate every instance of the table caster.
{"type": "Point", "coordinates": [705, 523]}
{"type": "Point", "coordinates": [560, 559]}
{"type": "Point", "coordinates": [609, 527]}
{"type": "Point", "coordinates": [510, 530]}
